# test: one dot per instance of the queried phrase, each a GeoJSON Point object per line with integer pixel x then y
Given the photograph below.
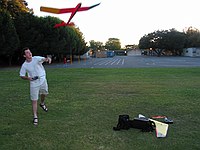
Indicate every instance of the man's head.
{"type": "Point", "coordinates": [27, 53]}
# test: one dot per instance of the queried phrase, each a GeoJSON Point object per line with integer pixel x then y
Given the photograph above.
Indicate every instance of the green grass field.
{"type": "Point", "coordinates": [84, 105]}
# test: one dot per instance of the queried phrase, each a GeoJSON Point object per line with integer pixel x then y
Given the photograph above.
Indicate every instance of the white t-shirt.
{"type": "Point", "coordinates": [34, 68]}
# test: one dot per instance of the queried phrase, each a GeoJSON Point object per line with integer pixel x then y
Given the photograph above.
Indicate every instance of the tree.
{"type": "Point", "coordinates": [113, 44]}
{"type": "Point", "coordinates": [80, 43]}
{"type": "Point", "coordinates": [8, 36]}
{"type": "Point", "coordinates": [164, 40]}
{"type": "Point", "coordinates": [144, 42]}
{"type": "Point", "coordinates": [15, 7]}
{"type": "Point", "coordinates": [192, 37]}
{"type": "Point", "coordinates": [12, 8]}
{"type": "Point", "coordinates": [96, 45]}
{"type": "Point", "coordinates": [173, 41]}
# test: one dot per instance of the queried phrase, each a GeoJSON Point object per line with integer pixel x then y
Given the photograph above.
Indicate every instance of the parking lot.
{"type": "Point", "coordinates": [133, 62]}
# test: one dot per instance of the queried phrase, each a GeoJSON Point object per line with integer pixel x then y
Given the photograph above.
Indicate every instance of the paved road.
{"type": "Point", "coordinates": [133, 62]}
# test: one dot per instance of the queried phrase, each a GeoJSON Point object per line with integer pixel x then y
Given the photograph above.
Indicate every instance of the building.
{"type": "Point", "coordinates": [191, 52]}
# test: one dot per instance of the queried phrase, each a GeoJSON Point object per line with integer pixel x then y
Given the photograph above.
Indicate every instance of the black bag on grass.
{"type": "Point", "coordinates": [142, 123]}
{"type": "Point", "coordinates": [139, 123]}
{"type": "Point", "coordinates": [123, 123]}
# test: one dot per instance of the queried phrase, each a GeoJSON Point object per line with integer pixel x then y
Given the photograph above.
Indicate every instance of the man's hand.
{"type": "Point", "coordinates": [35, 78]}
{"type": "Point", "coordinates": [27, 78]}
{"type": "Point", "coordinates": [49, 59]}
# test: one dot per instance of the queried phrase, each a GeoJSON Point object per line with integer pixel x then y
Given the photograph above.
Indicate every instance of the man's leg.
{"type": "Point", "coordinates": [42, 99]}
{"type": "Point", "coordinates": [34, 107]}
{"type": "Point", "coordinates": [34, 92]}
{"type": "Point", "coordinates": [43, 93]}
{"type": "Point", "coordinates": [42, 104]}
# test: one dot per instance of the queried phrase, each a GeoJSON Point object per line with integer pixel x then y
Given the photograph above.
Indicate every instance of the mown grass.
{"type": "Point", "coordinates": [84, 105]}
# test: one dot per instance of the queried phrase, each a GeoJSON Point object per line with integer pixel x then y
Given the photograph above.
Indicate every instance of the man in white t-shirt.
{"type": "Point", "coordinates": [33, 71]}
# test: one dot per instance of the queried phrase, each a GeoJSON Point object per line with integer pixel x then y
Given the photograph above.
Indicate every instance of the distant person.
{"type": "Point", "coordinates": [33, 71]}
{"type": "Point", "coordinates": [65, 60]}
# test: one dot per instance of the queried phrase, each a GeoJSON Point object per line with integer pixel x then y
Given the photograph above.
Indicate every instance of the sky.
{"type": "Point", "coordinates": [127, 20]}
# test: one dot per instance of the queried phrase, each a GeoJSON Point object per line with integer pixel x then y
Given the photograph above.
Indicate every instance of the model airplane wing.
{"type": "Point", "coordinates": [68, 22]}
{"type": "Point", "coordinates": [161, 128]}
{"type": "Point", "coordinates": [65, 10]}
{"type": "Point", "coordinates": [74, 12]}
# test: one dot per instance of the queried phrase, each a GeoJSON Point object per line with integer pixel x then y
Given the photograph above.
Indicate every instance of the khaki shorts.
{"type": "Point", "coordinates": [36, 91]}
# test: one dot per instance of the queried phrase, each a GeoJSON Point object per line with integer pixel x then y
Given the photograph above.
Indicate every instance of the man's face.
{"type": "Point", "coordinates": [27, 54]}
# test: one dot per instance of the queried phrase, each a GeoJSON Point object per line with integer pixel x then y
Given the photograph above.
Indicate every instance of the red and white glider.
{"type": "Point", "coordinates": [66, 10]}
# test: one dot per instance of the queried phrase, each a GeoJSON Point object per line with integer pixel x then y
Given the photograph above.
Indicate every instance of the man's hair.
{"type": "Point", "coordinates": [25, 48]}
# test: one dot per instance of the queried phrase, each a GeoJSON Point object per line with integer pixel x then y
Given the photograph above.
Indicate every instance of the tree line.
{"type": "Point", "coordinates": [111, 44]}
{"type": "Point", "coordinates": [170, 41]}
{"type": "Point", "coordinates": [20, 28]}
